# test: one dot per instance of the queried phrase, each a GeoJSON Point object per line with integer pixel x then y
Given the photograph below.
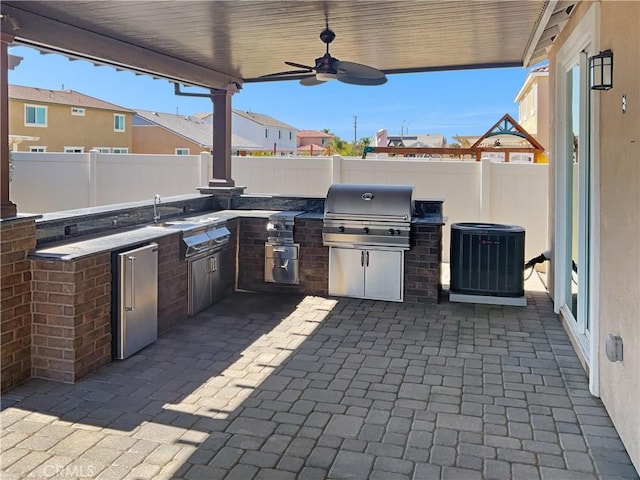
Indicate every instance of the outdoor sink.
{"type": "Point", "coordinates": [184, 223]}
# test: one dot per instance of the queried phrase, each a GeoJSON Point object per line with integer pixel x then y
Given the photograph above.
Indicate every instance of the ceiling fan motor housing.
{"type": "Point", "coordinates": [326, 65]}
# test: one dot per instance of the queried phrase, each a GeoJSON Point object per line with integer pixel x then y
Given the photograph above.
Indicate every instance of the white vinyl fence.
{"type": "Point", "coordinates": [513, 193]}
{"type": "Point", "coordinates": [52, 182]}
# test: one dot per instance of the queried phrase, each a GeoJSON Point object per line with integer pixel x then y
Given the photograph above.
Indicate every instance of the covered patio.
{"type": "Point", "coordinates": [268, 386]}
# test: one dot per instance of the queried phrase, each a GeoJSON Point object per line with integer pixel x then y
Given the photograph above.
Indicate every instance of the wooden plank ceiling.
{"type": "Point", "coordinates": [212, 43]}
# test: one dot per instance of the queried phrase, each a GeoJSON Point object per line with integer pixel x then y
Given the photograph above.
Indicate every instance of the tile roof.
{"type": "Point", "coordinates": [194, 129]}
{"type": "Point", "coordinates": [313, 134]}
{"type": "Point", "coordinates": [316, 148]}
{"type": "Point", "coordinates": [61, 97]}
{"type": "Point", "coordinates": [264, 120]}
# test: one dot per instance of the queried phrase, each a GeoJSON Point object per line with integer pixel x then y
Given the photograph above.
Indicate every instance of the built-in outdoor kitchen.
{"type": "Point", "coordinates": [92, 269]}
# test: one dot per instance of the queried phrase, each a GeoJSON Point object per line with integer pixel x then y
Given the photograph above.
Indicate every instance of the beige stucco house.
{"type": "Point", "coordinates": [67, 121]}
{"type": "Point", "coordinates": [533, 104]}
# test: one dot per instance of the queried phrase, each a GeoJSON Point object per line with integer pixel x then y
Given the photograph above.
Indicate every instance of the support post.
{"type": "Point", "coordinates": [221, 139]}
{"type": "Point", "coordinates": [8, 209]}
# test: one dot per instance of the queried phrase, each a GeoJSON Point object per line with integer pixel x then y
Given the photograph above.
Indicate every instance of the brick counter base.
{"type": "Point", "coordinates": [313, 260]}
{"type": "Point", "coordinates": [17, 238]}
{"type": "Point", "coordinates": [421, 262]}
{"type": "Point", "coordinates": [71, 317]}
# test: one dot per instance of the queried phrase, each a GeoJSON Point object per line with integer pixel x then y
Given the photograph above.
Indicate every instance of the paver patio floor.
{"type": "Point", "coordinates": [281, 387]}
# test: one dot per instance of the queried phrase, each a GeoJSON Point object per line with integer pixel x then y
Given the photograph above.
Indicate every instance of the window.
{"type": "Point", "coordinates": [77, 111]}
{"type": "Point", "coordinates": [35, 116]}
{"type": "Point", "coordinates": [118, 123]}
{"type": "Point", "coordinates": [35, 149]}
{"type": "Point", "coordinates": [120, 150]}
{"type": "Point", "coordinates": [266, 133]}
{"type": "Point", "coordinates": [279, 133]}
{"type": "Point", "coordinates": [73, 149]}
{"type": "Point", "coordinates": [182, 151]}
{"type": "Point", "coordinates": [290, 135]}
{"type": "Point", "coordinates": [103, 149]}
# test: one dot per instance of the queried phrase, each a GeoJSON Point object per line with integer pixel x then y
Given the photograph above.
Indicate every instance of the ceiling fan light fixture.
{"type": "Point", "coordinates": [326, 76]}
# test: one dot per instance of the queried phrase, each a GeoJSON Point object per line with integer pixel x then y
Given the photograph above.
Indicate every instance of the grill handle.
{"type": "Point", "coordinates": [351, 216]}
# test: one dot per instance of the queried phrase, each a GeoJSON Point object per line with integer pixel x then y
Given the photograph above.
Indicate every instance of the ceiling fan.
{"type": "Point", "coordinates": [329, 68]}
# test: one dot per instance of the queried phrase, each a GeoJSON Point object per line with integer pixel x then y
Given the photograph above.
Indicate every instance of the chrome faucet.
{"type": "Point", "coordinates": [156, 202]}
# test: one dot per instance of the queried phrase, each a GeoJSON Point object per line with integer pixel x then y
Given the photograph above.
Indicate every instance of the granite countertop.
{"type": "Point", "coordinates": [134, 236]}
{"type": "Point", "coordinates": [73, 250]}
{"type": "Point", "coordinates": [429, 220]}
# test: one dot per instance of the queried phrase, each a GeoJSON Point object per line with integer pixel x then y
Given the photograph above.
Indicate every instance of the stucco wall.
{"type": "Point", "coordinates": [542, 113]}
{"type": "Point", "coordinates": [618, 203]}
{"type": "Point", "coordinates": [94, 129]}
{"type": "Point", "coordinates": [620, 220]}
{"type": "Point", "coordinates": [154, 139]}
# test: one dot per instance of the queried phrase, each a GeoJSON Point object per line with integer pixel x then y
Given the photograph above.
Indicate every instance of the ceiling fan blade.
{"type": "Point", "coordinates": [311, 81]}
{"type": "Point", "coordinates": [298, 65]}
{"type": "Point", "coordinates": [289, 72]}
{"type": "Point", "coordinates": [363, 81]}
{"type": "Point", "coordinates": [358, 70]}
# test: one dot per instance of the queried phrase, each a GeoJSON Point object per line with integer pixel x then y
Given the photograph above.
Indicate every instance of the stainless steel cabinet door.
{"type": "Point", "coordinates": [137, 324]}
{"type": "Point", "coordinates": [200, 294]}
{"type": "Point", "coordinates": [346, 272]}
{"type": "Point", "coordinates": [216, 277]}
{"type": "Point", "coordinates": [384, 274]}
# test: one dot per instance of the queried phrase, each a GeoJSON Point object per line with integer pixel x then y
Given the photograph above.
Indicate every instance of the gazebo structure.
{"type": "Point", "coordinates": [492, 141]}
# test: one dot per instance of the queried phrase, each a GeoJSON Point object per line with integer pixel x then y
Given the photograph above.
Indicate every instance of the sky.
{"type": "Point", "coordinates": [463, 102]}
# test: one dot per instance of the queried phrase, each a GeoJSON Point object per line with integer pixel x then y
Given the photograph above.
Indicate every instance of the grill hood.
{"type": "Point", "coordinates": [380, 202]}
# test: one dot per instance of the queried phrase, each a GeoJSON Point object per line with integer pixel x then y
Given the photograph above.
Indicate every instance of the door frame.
{"type": "Point", "coordinates": [578, 47]}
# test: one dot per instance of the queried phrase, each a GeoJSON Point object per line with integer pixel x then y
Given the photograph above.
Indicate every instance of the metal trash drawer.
{"type": "Point", "coordinates": [281, 263]}
{"type": "Point", "coordinates": [282, 252]}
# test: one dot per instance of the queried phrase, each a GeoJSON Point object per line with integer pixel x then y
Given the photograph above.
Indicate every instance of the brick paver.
{"type": "Point", "coordinates": [278, 386]}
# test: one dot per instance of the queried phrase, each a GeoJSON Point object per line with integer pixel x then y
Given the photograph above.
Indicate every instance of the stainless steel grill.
{"type": "Point", "coordinates": [368, 215]}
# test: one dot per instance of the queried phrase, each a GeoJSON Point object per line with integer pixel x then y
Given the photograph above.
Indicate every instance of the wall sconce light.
{"type": "Point", "coordinates": [601, 66]}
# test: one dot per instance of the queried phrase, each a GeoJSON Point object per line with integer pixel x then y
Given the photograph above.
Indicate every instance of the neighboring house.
{"type": "Point", "coordinates": [417, 141]}
{"type": "Point", "coordinates": [313, 142]}
{"type": "Point", "coordinates": [272, 135]}
{"type": "Point", "coordinates": [66, 121]}
{"type": "Point", "coordinates": [533, 105]}
{"type": "Point", "coordinates": [171, 134]}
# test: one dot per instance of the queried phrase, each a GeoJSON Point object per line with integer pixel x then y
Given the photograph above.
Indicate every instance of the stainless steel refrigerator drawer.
{"type": "Point", "coordinates": [135, 322]}
{"type": "Point", "coordinates": [281, 263]}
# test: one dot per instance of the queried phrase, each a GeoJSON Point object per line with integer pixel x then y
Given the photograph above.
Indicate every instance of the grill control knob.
{"type": "Point", "coordinates": [398, 232]}
{"type": "Point", "coordinates": [341, 229]}
{"type": "Point", "coordinates": [392, 231]}
{"type": "Point", "coordinates": [365, 230]}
